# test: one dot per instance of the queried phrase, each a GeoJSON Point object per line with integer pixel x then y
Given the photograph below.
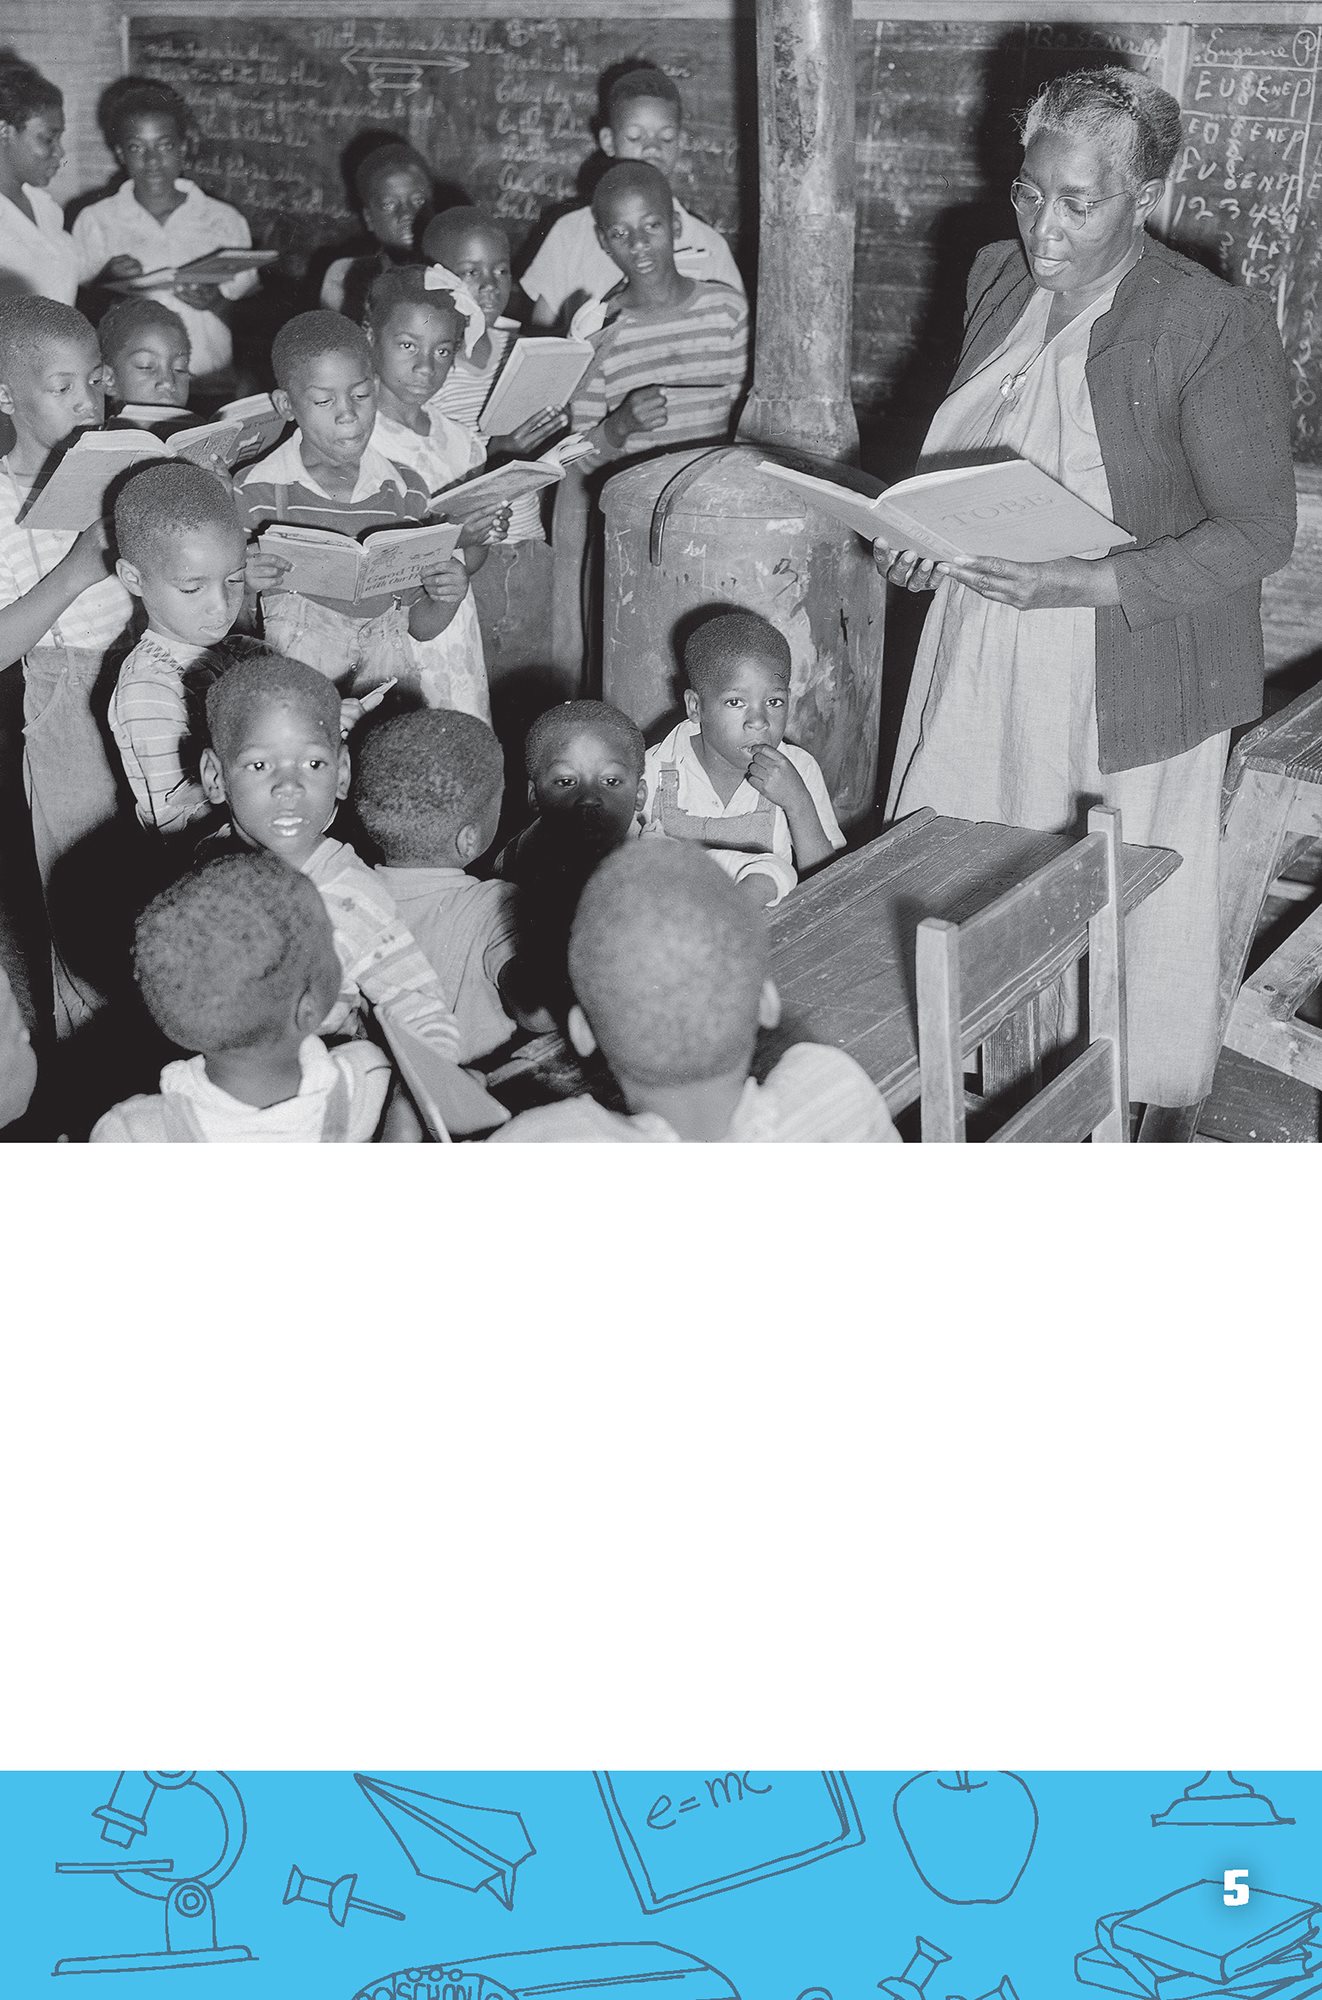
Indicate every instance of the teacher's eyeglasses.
{"type": "Point", "coordinates": [1076, 211]}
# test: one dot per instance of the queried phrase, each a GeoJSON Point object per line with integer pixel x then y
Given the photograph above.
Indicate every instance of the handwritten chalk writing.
{"type": "Point", "coordinates": [730, 1787]}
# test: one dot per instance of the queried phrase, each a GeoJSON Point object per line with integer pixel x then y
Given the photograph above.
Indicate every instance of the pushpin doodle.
{"type": "Point", "coordinates": [912, 1982]}
{"type": "Point", "coordinates": [336, 1897]}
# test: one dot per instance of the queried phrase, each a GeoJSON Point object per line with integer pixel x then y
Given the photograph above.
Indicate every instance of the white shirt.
{"type": "Point", "coordinates": [698, 796]}
{"type": "Point", "coordinates": [95, 618]}
{"type": "Point", "coordinates": [452, 666]}
{"type": "Point", "coordinates": [814, 1094]}
{"type": "Point", "coordinates": [571, 266]}
{"type": "Point", "coordinates": [37, 257]}
{"type": "Point", "coordinates": [225, 1119]}
{"type": "Point", "coordinates": [120, 226]}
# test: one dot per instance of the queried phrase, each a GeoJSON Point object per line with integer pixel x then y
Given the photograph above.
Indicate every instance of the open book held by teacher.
{"type": "Point", "coordinates": [1008, 509]}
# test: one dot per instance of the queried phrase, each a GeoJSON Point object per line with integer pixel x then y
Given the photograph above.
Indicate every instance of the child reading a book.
{"type": "Point", "coordinates": [585, 778]}
{"type": "Point", "coordinates": [668, 964]}
{"type": "Point", "coordinates": [643, 120]}
{"type": "Point", "coordinates": [513, 590]}
{"type": "Point", "coordinates": [145, 355]}
{"type": "Point", "coordinates": [427, 791]}
{"type": "Point", "coordinates": [181, 550]}
{"type": "Point", "coordinates": [277, 760]}
{"type": "Point", "coordinates": [328, 474]}
{"type": "Point", "coordinates": [237, 961]}
{"type": "Point", "coordinates": [158, 220]}
{"type": "Point", "coordinates": [724, 777]}
{"type": "Point", "coordinates": [413, 328]}
{"type": "Point", "coordinates": [394, 189]}
{"type": "Point", "coordinates": [671, 358]}
{"type": "Point", "coordinates": [61, 612]}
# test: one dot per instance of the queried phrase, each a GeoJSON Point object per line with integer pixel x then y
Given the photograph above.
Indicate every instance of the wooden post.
{"type": "Point", "coordinates": [805, 292]}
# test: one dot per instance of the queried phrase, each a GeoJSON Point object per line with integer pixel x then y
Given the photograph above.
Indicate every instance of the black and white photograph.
{"type": "Point", "coordinates": [702, 570]}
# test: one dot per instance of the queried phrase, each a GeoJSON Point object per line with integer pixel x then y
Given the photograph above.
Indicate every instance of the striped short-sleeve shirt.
{"type": "Point", "coordinates": [279, 487]}
{"type": "Point", "coordinates": [697, 352]}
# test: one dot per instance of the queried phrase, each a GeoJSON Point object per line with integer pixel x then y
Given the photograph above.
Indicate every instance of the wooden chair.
{"type": "Point", "coordinates": [975, 976]}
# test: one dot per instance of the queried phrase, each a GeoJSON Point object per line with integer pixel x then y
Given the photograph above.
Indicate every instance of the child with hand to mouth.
{"type": "Point", "coordinates": [725, 776]}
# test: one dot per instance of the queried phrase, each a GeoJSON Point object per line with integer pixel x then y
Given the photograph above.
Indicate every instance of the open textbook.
{"type": "Point", "coordinates": [254, 420]}
{"type": "Point", "coordinates": [1009, 509]}
{"type": "Point", "coordinates": [537, 374]}
{"type": "Point", "coordinates": [212, 268]}
{"type": "Point", "coordinates": [509, 482]}
{"type": "Point", "coordinates": [323, 563]}
{"type": "Point", "coordinates": [75, 494]}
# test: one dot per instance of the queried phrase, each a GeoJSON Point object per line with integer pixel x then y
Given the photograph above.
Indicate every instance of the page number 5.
{"type": "Point", "coordinates": [1236, 1886]}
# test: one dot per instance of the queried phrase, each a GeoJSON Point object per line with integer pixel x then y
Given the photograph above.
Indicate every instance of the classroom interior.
{"type": "Point", "coordinates": [855, 159]}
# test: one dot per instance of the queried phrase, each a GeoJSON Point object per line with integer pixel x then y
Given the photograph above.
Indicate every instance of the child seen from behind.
{"type": "Point", "coordinates": [237, 961]}
{"type": "Point", "coordinates": [427, 791]}
{"type": "Point", "coordinates": [668, 964]}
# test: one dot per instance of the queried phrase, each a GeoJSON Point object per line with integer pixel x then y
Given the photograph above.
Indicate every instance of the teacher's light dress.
{"type": "Point", "coordinates": [1001, 718]}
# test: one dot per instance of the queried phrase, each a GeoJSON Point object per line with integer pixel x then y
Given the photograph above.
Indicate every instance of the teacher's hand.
{"type": "Point", "coordinates": [1068, 583]}
{"type": "Point", "coordinates": [904, 569]}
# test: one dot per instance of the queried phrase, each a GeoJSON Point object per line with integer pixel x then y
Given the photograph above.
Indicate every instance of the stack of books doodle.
{"type": "Point", "coordinates": [1195, 1945]}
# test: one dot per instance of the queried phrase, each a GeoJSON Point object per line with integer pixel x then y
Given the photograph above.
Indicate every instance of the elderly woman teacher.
{"type": "Point", "coordinates": [1158, 394]}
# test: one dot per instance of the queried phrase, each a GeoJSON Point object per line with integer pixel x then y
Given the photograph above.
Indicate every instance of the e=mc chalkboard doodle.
{"type": "Point", "coordinates": [683, 1835]}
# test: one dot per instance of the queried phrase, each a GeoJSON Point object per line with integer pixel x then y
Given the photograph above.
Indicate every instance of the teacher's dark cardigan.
{"type": "Point", "coordinates": [1190, 396]}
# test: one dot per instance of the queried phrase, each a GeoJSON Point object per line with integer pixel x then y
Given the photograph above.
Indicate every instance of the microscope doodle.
{"type": "Point", "coordinates": [467, 1847]}
{"type": "Point", "coordinates": [969, 1834]}
{"type": "Point", "coordinates": [578, 1971]}
{"type": "Point", "coordinates": [190, 1910]}
{"type": "Point", "coordinates": [336, 1898]}
{"type": "Point", "coordinates": [1219, 1798]}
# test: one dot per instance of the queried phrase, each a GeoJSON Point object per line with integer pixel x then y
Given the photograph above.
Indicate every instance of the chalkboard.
{"type": "Point", "coordinates": [506, 108]}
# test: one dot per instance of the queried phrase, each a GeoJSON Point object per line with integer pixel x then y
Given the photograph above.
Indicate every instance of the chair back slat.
{"type": "Point", "coordinates": [1071, 1107]}
{"type": "Point", "coordinates": [1005, 949]}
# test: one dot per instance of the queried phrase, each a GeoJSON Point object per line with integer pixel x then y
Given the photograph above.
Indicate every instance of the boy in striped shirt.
{"type": "Point", "coordinates": [330, 475]}
{"type": "Point", "coordinates": [181, 551]}
{"type": "Point", "coordinates": [670, 369]}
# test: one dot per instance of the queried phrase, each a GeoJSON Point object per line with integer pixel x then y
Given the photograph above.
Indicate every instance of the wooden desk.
{"type": "Point", "coordinates": [842, 945]}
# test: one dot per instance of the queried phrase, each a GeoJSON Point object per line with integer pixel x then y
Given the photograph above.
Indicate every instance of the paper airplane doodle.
{"type": "Point", "coordinates": [470, 1847]}
{"type": "Point", "coordinates": [1219, 1798]}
